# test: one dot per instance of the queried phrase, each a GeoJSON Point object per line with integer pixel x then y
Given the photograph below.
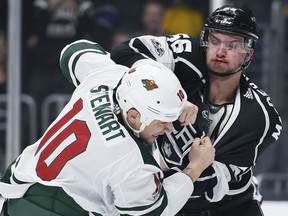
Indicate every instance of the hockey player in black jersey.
{"type": "Point", "coordinates": [235, 113]}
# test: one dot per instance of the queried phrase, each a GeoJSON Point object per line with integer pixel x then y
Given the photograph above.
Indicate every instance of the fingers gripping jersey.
{"type": "Point", "coordinates": [89, 154]}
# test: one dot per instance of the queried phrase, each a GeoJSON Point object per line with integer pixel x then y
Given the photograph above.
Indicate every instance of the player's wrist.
{"type": "Point", "coordinates": [192, 171]}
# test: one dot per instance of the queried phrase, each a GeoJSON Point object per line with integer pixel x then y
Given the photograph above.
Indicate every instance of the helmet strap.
{"type": "Point", "coordinates": [224, 74]}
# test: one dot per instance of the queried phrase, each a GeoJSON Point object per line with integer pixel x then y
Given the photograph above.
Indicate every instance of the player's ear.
{"type": "Point", "coordinates": [250, 54]}
{"type": "Point", "coordinates": [133, 117]}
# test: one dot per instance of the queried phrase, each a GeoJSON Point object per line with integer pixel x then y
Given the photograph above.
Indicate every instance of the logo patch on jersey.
{"type": "Point", "coordinates": [167, 149]}
{"type": "Point", "coordinates": [149, 84]}
{"type": "Point", "coordinates": [205, 114]}
{"type": "Point", "coordinates": [158, 184]}
{"type": "Point", "coordinates": [249, 94]}
{"type": "Point", "coordinates": [158, 49]}
{"type": "Point", "coordinates": [175, 146]}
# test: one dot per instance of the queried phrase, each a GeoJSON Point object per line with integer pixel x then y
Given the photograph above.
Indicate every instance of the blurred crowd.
{"type": "Point", "coordinates": [48, 25]}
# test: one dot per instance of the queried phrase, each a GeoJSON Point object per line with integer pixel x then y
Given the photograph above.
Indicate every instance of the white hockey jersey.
{"type": "Point", "coordinates": [90, 155]}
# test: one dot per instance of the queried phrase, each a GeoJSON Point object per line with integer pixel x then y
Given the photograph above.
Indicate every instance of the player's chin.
{"type": "Point", "coordinates": [151, 139]}
{"type": "Point", "coordinates": [218, 66]}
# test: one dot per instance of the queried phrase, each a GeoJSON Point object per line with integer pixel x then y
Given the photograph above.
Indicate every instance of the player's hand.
{"type": "Point", "coordinates": [202, 151]}
{"type": "Point", "coordinates": [201, 155]}
{"type": "Point", "coordinates": [189, 114]}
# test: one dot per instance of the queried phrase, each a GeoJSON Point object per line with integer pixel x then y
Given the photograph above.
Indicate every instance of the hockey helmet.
{"type": "Point", "coordinates": [232, 20]}
{"type": "Point", "coordinates": [154, 90]}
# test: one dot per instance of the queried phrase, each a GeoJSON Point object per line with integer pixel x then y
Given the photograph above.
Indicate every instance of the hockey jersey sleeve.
{"type": "Point", "coordinates": [82, 58]}
{"type": "Point", "coordinates": [151, 194]}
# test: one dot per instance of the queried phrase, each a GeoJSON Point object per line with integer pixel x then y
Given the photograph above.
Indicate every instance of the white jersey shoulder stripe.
{"type": "Point", "coordinates": [72, 52]}
{"type": "Point", "coordinates": [267, 123]}
{"type": "Point", "coordinates": [192, 66]}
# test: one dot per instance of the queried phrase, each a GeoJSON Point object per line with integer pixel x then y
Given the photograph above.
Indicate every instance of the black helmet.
{"type": "Point", "coordinates": [232, 20]}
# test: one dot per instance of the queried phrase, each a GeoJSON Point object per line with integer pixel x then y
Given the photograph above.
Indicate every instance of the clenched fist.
{"type": "Point", "coordinates": [201, 155]}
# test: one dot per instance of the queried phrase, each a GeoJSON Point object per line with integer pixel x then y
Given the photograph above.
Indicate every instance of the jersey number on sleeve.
{"type": "Point", "coordinates": [180, 43]}
{"type": "Point", "coordinates": [76, 147]}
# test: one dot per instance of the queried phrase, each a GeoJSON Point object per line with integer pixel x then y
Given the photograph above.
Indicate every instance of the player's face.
{"type": "Point", "coordinates": [154, 130]}
{"type": "Point", "coordinates": [226, 52]}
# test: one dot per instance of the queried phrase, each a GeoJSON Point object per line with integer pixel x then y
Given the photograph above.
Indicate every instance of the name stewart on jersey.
{"type": "Point", "coordinates": [105, 118]}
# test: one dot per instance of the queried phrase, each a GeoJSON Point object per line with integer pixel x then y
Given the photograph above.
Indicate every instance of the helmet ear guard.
{"type": "Point", "coordinates": [154, 91]}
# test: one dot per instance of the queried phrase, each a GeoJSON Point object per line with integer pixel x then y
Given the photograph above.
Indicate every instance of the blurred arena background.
{"type": "Point", "coordinates": [33, 90]}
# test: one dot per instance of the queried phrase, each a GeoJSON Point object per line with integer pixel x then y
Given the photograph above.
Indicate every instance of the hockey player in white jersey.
{"type": "Point", "coordinates": [93, 159]}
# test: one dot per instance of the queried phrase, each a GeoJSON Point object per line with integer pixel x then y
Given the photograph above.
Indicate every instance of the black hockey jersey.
{"type": "Point", "coordinates": [251, 126]}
